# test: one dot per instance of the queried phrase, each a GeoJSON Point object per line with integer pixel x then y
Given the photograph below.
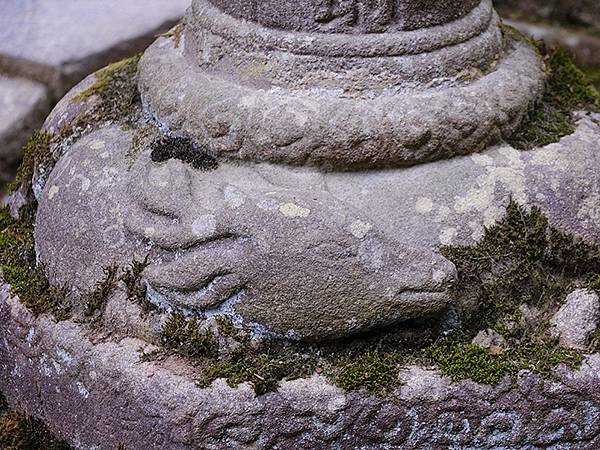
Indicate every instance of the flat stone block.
{"type": "Point", "coordinates": [59, 42]}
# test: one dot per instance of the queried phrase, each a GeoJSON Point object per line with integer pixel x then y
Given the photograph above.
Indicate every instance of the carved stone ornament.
{"type": "Point", "coordinates": [305, 113]}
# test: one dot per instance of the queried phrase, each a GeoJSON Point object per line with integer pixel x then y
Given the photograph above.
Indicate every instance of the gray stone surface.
{"type": "Point", "coordinates": [58, 42]}
{"type": "Point", "coordinates": [577, 319]}
{"type": "Point", "coordinates": [490, 340]}
{"type": "Point", "coordinates": [337, 99]}
{"type": "Point", "coordinates": [23, 105]}
{"type": "Point", "coordinates": [214, 234]}
{"type": "Point", "coordinates": [291, 259]}
{"type": "Point", "coordinates": [98, 394]}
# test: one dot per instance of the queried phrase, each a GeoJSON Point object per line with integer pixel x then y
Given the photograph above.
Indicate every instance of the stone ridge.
{"type": "Point", "coordinates": [85, 385]}
{"type": "Point", "coordinates": [238, 122]}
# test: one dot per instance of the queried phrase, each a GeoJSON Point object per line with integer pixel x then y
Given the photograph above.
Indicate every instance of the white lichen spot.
{"type": "Point", "coordinates": [204, 226]}
{"type": "Point", "coordinates": [424, 205]}
{"type": "Point", "coordinates": [482, 160]}
{"type": "Point", "coordinates": [506, 174]}
{"type": "Point", "coordinates": [82, 389]}
{"type": "Point", "coordinates": [149, 232]}
{"type": "Point", "coordinates": [64, 355]}
{"type": "Point", "coordinates": [30, 335]}
{"type": "Point", "coordinates": [589, 211]}
{"type": "Point", "coordinates": [294, 211]}
{"type": "Point", "coordinates": [438, 276]}
{"type": "Point", "coordinates": [234, 198]}
{"type": "Point", "coordinates": [360, 229]}
{"type": "Point", "coordinates": [447, 235]}
{"type": "Point", "coordinates": [57, 367]}
{"type": "Point", "coordinates": [54, 189]}
{"type": "Point", "coordinates": [97, 145]}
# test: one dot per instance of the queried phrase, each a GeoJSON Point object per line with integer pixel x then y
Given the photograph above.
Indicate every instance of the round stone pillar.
{"type": "Point", "coordinates": [341, 84]}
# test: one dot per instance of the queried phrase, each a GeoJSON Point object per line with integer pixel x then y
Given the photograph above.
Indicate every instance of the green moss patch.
{"type": "Point", "coordinates": [21, 432]}
{"type": "Point", "coordinates": [136, 290]}
{"type": "Point", "coordinates": [95, 301]}
{"type": "Point", "coordinates": [18, 266]}
{"type": "Point", "coordinates": [568, 89]}
{"type": "Point", "coordinates": [115, 97]}
{"type": "Point", "coordinates": [372, 370]}
{"type": "Point", "coordinates": [185, 337]}
{"type": "Point", "coordinates": [522, 260]}
{"type": "Point", "coordinates": [36, 152]}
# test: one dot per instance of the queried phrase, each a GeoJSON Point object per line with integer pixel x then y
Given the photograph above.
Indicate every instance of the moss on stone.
{"type": "Point", "coordinates": [175, 33]}
{"type": "Point", "coordinates": [114, 98]}
{"type": "Point", "coordinates": [263, 367]}
{"type": "Point", "coordinates": [19, 269]}
{"type": "Point", "coordinates": [374, 371]}
{"type": "Point", "coordinates": [36, 152]}
{"type": "Point", "coordinates": [568, 89]}
{"type": "Point", "coordinates": [136, 290]}
{"type": "Point", "coordinates": [185, 337]}
{"type": "Point", "coordinates": [95, 301]}
{"type": "Point", "coordinates": [21, 432]}
{"type": "Point", "coordinates": [522, 260]}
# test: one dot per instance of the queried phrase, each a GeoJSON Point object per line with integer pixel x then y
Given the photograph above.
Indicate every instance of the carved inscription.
{"type": "Point", "coordinates": [373, 16]}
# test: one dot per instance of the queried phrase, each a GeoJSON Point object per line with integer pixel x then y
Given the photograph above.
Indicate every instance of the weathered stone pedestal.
{"type": "Point", "coordinates": [293, 166]}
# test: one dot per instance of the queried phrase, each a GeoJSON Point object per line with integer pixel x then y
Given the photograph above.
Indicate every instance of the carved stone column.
{"type": "Point", "coordinates": [342, 83]}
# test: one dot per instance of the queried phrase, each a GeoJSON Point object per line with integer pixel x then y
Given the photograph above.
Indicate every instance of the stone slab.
{"type": "Point", "coordinates": [58, 42]}
{"type": "Point", "coordinates": [98, 395]}
{"type": "Point", "coordinates": [23, 106]}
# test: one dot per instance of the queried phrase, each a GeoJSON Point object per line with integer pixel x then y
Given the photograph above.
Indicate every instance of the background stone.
{"type": "Point", "coordinates": [56, 43]}
{"type": "Point", "coordinates": [23, 106]}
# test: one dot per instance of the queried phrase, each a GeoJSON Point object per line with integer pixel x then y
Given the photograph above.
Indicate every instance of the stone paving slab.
{"type": "Point", "coordinates": [58, 42]}
{"type": "Point", "coordinates": [23, 105]}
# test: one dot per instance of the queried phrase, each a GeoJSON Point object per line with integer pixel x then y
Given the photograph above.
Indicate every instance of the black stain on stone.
{"type": "Point", "coordinates": [184, 149]}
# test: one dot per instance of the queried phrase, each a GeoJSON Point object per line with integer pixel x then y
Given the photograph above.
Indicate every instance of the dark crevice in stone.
{"type": "Point", "coordinates": [185, 150]}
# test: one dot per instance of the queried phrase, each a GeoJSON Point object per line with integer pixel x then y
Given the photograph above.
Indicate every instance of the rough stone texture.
{"type": "Point", "coordinates": [340, 100]}
{"type": "Point", "coordinates": [58, 42]}
{"type": "Point", "coordinates": [99, 395]}
{"type": "Point", "coordinates": [491, 340]}
{"type": "Point", "coordinates": [23, 105]}
{"type": "Point", "coordinates": [225, 229]}
{"type": "Point", "coordinates": [577, 319]}
{"type": "Point", "coordinates": [355, 16]}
